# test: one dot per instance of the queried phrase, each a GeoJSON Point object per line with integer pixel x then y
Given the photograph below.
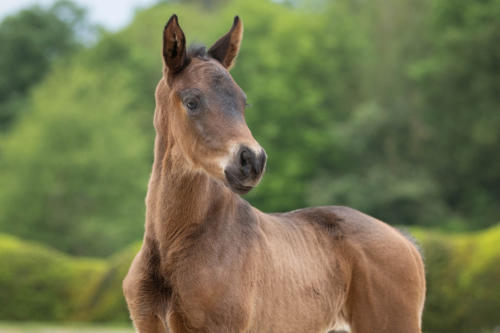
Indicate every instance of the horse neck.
{"type": "Point", "coordinates": [180, 199]}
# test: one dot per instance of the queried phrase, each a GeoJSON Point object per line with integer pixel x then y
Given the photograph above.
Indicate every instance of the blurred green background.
{"type": "Point", "coordinates": [389, 106]}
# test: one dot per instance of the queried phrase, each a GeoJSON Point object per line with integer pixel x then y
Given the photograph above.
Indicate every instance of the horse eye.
{"type": "Point", "coordinates": [191, 105]}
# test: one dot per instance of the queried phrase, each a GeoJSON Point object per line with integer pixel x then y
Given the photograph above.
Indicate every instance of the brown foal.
{"type": "Point", "coordinates": [210, 262]}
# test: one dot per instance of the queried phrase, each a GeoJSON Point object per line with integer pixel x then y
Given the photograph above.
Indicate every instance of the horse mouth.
{"type": "Point", "coordinates": [234, 184]}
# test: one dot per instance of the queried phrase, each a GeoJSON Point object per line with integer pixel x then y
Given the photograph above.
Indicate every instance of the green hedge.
{"type": "Point", "coordinates": [37, 283]}
{"type": "Point", "coordinates": [42, 284]}
{"type": "Point", "coordinates": [463, 281]}
{"type": "Point", "coordinates": [108, 303]}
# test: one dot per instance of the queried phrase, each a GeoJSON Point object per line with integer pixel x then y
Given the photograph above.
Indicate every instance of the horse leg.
{"type": "Point", "coordinates": [369, 318]}
{"type": "Point", "coordinates": [388, 300]}
{"type": "Point", "coordinates": [176, 323]}
{"type": "Point", "coordinates": [149, 324]}
{"type": "Point", "coordinates": [142, 314]}
{"type": "Point", "coordinates": [142, 298]}
{"type": "Point", "coordinates": [386, 307]}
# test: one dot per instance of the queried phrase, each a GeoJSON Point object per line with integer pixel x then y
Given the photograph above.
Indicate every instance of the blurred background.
{"type": "Point", "coordinates": [389, 106]}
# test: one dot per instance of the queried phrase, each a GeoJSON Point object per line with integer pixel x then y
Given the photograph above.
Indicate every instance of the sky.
{"type": "Point", "coordinates": [113, 14]}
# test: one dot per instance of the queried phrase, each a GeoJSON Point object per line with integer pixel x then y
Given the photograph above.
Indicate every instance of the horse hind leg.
{"type": "Point", "coordinates": [382, 317]}
{"type": "Point", "coordinates": [396, 308]}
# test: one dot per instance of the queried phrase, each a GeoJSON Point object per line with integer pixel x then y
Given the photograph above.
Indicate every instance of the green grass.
{"type": "Point", "coordinates": [61, 328]}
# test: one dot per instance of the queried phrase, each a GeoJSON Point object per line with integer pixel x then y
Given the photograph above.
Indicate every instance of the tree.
{"type": "Point", "coordinates": [459, 79]}
{"type": "Point", "coordinates": [352, 109]}
{"type": "Point", "coordinates": [32, 40]}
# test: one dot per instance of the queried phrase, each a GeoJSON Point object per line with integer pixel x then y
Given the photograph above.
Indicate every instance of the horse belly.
{"type": "Point", "coordinates": [239, 305]}
{"type": "Point", "coordinates": [305, 310]}
{"type": "Point", "coordinates": [302, 283]}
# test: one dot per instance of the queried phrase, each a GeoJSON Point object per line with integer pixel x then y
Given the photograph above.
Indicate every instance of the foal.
{"type": "Point", "coordinates": [210, 262]}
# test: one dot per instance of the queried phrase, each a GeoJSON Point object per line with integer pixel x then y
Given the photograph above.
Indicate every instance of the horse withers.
{"type": "Point", "coordinates": [210, 262]}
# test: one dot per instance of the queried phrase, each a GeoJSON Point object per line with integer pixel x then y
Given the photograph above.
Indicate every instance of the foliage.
{"type": "Point", "coordinates": [41, 284]}
{"type": "Point", "coordinates": [353, 108]}
{"type": "Point", "coordinates": [387, 106]}
{"type": "Point", "coordinates": [463, 294]}
{"type": "Point", "coordinates": [31, 41]}
{"type": "Point", "coordinates": [37, 283]}
{"type": "Point", "coordinates": [419, 146]}
{"type": "Point", "coordinates": [108, 304]}
{"type": "Point", "coordinates": [459, 79]}
{"type": "Point", "coordinates": [76, 172]}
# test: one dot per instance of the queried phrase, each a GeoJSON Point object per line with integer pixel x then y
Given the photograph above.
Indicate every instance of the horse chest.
{"type": "Point", "coordinates": [210, 290]}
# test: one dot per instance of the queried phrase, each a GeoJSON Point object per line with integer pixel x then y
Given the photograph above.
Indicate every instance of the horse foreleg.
{"type": "Point", "coordinates": [142, 299]}
{"type": "Point", "coordinates": [149, 324]}
{"type": "Point", "coordinates": [176, 323]}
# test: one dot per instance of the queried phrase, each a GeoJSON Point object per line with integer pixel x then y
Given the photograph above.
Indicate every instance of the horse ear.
{"type": "Point", "coordinates": [174, 46]}
{"type": "Point", "coordinates": [226, 48]}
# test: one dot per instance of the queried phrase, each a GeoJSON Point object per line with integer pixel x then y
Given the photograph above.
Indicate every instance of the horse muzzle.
{"type": "Point", "coordinates": [246, 169]}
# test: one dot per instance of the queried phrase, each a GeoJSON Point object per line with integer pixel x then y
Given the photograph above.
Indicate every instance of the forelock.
{"type": "Point", "coordinates": [197, 51]}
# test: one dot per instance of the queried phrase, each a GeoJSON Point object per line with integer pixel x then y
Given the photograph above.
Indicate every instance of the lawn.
{"type": "Point", "coordinates": [69, 328]}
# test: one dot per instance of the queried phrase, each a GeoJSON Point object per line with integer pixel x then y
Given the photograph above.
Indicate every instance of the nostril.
{"type": "Point", "coordinates": [251, 164]}
{"type": "Point", "coordinates": [244, 158]}
{"type": "Point", "coordinates": [246, 162]}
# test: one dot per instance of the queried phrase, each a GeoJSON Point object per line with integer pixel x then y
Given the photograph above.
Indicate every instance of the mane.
{"type": "Point", "coordinates": [199, 51]}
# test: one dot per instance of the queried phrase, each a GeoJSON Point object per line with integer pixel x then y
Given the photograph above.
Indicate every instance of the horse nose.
{"type": "Point", "coordinates": [251, 163]}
